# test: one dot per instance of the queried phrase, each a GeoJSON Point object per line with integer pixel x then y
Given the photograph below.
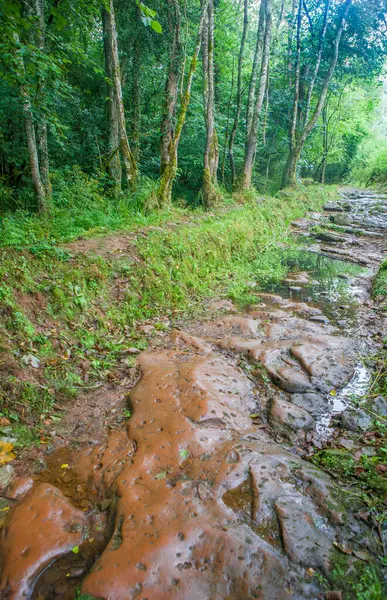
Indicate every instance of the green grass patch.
{"type": "Point", "coordinates": [380, 284]}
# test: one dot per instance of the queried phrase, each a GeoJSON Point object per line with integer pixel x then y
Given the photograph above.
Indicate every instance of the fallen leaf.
{"type": "Point", "coordinates": [75, 549]}
{"type": "Point", "coordinates": [64, 466]}
{"type": "Point", "coordinates": [6, 454]}
{"type": "Point", "coordinates": [254, 416]}
{"type": "Point", "coordinates": [333, 393]}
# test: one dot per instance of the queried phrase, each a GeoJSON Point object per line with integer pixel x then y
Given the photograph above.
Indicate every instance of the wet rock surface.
{"type": "Point", "coordinates": [203, 493]}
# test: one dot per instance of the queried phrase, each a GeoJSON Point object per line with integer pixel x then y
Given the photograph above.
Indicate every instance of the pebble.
{"type": "Point", "coordinates": [7, 474]}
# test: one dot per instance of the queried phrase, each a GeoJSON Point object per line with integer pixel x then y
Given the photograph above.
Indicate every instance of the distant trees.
{"type": "Point", "coordinates": [114, 87]}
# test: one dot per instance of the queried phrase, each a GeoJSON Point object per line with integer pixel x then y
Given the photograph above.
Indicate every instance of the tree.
{"type": "Point", "coordinates": [211, 151]}
{"type": "Point", "coordinates": [252, 130]}
{"type": "Point", "coordinates": [172, 82]}
{"type": "Point", "coordinates": [164, 193]}
{"type": "Point", "coordinates": [113, 63]}
{"type": "Point", "coordinates": [298, 133]}
{"type": "Point", "coordinates": [238, 93]}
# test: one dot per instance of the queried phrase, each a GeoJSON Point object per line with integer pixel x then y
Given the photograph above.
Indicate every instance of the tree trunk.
{"type": "Point", "coordinates": [297, 142]}
{"type": "Point", "coordinates": [30, 132]}
{"type": "Point", "coordinates": [254, 71]}
{"type": "Point", "coordinates": [164, 192]}
{"type": "Point", "coordinates": [136, 98]}
{"type": "Point", "coordinates": [227, 123]}
{"type": "Point", "coordinates": [251, 145]}
{"type": "Point", "coordinates": [172, 83]}
{"type": "Point", "coordinates": [113, 160]}
{"type": "Point", "coordinates": [41, 128]}
{"type": "Point", "coordinates": [127, 154]}
{"type": "Point", "coordinates": [239, 93]}
{"type": "Point", "coordinates": [211, 152]}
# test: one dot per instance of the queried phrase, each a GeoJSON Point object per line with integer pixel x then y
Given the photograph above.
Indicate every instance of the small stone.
{"type": "Point", "coordinates": [19, 487]}
{"type": "Point", "coordinates": [319, 319]}
{"type": "Point", "coordinates": [7, 473]}
{"type": "Point", "coordinates": [333, 207]}
{"type": "Point", "coordinates": [333, 595]}
{"type": "Point", "coordinates": [379, 406]}
{"type": "Point", "coordinates": [31, 360]}
{"type": "Point", "coordinates": [355, 420]}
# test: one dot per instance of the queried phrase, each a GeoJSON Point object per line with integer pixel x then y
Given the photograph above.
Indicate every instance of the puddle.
{"type": "Point", "coordinates": [333, 285]}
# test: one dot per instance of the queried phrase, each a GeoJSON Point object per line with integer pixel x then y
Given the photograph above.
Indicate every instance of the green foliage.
{"type": "Point", "coordinates": [358, 581]}
{"type": "Point", "coordinates": [380, 284]}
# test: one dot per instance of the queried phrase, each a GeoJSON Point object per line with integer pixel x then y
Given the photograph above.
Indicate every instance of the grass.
{"type": "Point", "coordinates": [380, 284]}
{"type": "Point", "coordinates": [67, 320]}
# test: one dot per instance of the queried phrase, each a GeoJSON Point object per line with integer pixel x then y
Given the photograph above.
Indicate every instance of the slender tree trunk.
{"type": "Point", "coordinates": [164, 193]}
{"type": "Point", "coordinates": [211, 152]}
{"type": "Point", "coordinates": [136, 98]}
{"type": "Point", "coordinates": [325, 144]}
{"type": "Point", "coordinates": [255, 68]}
{"type": "Point", "coordinates": [289, 174]}
{"type": "Point", "coordinates": [172, 83]}
{"type": "Point", "coordinates": [251, 145]}
{"type": "Point", "coordinates": [297, 143]}
{"type": "Point", "coordinates": [41, 128]}
{"type": "Point", "coordinates": [127, 154]}
{"type": "Point", "coordinates": [239, 93]}
{"type": "Point", "coordinates": [228, 122]}
{"type": "Point", "coordinates": [113, 160]}
{"type": "Point", "coordinates": [30, 133]}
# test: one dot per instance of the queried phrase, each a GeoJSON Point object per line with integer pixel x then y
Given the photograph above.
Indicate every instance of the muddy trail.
{"type": "Point", "coordinates": [205, 490]}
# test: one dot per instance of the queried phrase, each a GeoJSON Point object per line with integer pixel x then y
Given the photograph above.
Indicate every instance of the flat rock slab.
{"type": "Point", "coordinates": [42, 527]}
{"type": "Point", "coordinates": [288, 417]}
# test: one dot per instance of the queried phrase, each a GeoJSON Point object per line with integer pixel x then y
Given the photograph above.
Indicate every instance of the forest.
{"type": "Point", "coordinates": [187, 100]}
{"type": "Point", "coordinates": [193, 299]}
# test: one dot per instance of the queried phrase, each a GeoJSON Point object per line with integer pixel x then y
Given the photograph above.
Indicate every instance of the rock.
{"type": "Point", "coordinates": [286, 416]}
{"type": "Point", "coordinates": [342, 323]}
{"type": "Point", "coordinates": [355, 420]}
{"type": "Point", "coordinates": [332, 207]}
{"type": "Point", "coordinates": [330, 236]}
{"type": "Point", "coordinates": [304, 542]}
{"type": "Point", "coordinates": [379, 406]}
{"type": "Point", "coordinates": [43, 527]}
{"type": "Point", "coordinates": [333, 595]}
{"type": "Point", "coordinates": [30, 359]}
{"type": "Point", "coordinates": [315, 404]}
{"type": "Point", "coordinates": [7, 473]}
{"type": "Point", "coordinates": [343, 276]}
{"type": "Point", "coordinates": [294, 288]}
{"type": "Point", "coordinates": [319, 319]}
{"type": "Point", "coordinates": [342, 219]}
{"type": "Point", "coordinates": [346, 443]}
{"type": "Point", "coordinates": [19, 487]}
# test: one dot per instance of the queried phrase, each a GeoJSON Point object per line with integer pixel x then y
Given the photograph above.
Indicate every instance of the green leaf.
{"type": "Point", "coordinates": [156, 26]}
{"type": "Point", "coordinates": [75, 550]}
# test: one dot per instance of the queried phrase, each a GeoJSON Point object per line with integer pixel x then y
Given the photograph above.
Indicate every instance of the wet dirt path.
{"type": "Point", "coordinates": [204, 492]}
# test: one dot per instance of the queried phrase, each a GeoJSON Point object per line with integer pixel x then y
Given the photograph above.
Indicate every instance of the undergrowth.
{"type": "Point", "coordinates": [68, 320]}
